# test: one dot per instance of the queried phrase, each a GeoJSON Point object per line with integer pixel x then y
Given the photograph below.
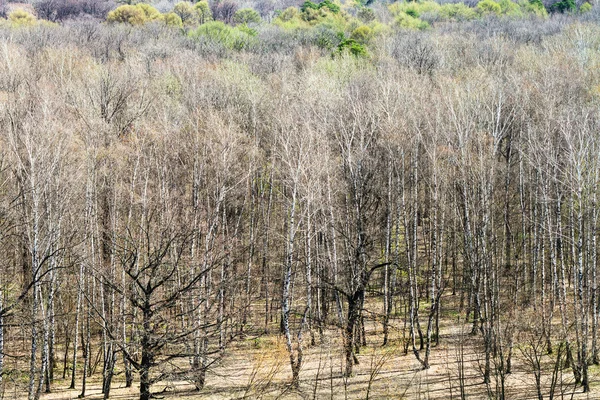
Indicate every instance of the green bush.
{"type": "Point", "coordinates": [362, 34]}
{"type": "Point", "coordinates": [215, 30]}
{"type": "Point", "coordinates": [150, 13]}
{"type": "Point", "coordinates": [127, 15]}
{"type": "Point", "coordinates": [414, 9]}
{"type": "Point", "coordinates": [203, 12]}
{"type": "Point", "coordinates": [21, 18]}
{"type": "Point", "coordinates": [186, 12]}
{"type": "Point", "coordinates": [288, 14]}
{"type": "Point", "coordinates": [134, 15]}
{"type": "Point", "coordinates": [413, 13]}
{"type": "Point", "coordinates": [237, 38]}
{"type": "Point", "coordinates": [403, 20]}
{"type": "Point", "coordinates": [564, 6]}
{"type": "Point", "coordinates": [246, 16]}
{"type": "Point", "coordinates": [353, 47]}
{"type": "Point", "coordinates": [308, 5]}
{"type": "Point", "coordinates": [172, 19]}
{"type": "Point", "coordinates": [247, 30]}
{"type": "Point", "coordinates": [535, 7]}
{"type": "Point", "coordinates": [585, 8]}
{"type": "Point", "coordinates": [509, 8]}
{"type": "Point", "coordinates": [485, 7]}
{"type": "Point", "coordinates": [457, 12]}
{"type": "Point", "coordinates": [334, 8]}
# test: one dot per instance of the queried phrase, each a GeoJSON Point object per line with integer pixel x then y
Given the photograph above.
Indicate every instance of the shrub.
{"type": "Point", "coordinates": [585, 8]}
{"type": "Point", "coordinates": [172, 19]}
{"type": "Point", "coordinates": [564, 6]}
{"type": "Point", "coordinates": [310, 14]}
{"type": "Point", "coordinates": [379, 29]}
{"type": "Point", "coordinates": [134, 15]}
{"type": "Point", "coordinates": [246, 16]}
{"type": "Point", "coordinates": [535, 7]}
{"type": "Point", "coordinates": [362, 34]}
{"type": "Point", "coordinates": [507, 7]}
{"type": "Point", "coordinates": [288, 14]}
{"type": "Point", "coordinates": [414, 9]}
{"type": "Point", "coordinates": [186, 12]}
{"type": "Point", "coordinates": [488, 7]}
{"type": "Point", "coordinates": [21, 18]}
{"type": "Point", "coordinates": [353, 47]}
{"type": "Point", "coordinates": [203, 11]}
{"type": "Point", "coordinates": [334, 8]}
{"type": "Point", "coordinates": [412, 12]}
{"type": "Point", "coordinates": [127, 14]}
{"type": "Point", "coordinates": [150, 13]}
{"type": "Point", "coordinates": [230, 37]}
{"type": "Point", "coordinates": [403, 20]}
{"type": "Point", "coordinates": [457, 12]}
{"type": "Point", "coordinates": [308, 5]}
{"type": "Point", "coordinates": [215, 30]}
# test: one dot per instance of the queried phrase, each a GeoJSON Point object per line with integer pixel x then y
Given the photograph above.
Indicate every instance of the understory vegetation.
{"type": "Point", "coordinates": [178, 178]}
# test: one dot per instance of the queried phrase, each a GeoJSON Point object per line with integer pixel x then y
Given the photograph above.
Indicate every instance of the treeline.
{"type": "Point", "coordinates": [162, 195]}
{"type": "Point", "coordinates": [350, 25]}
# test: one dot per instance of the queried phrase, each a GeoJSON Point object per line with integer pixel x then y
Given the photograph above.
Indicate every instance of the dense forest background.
{"type": "Point", "coordinates": [183, 183]}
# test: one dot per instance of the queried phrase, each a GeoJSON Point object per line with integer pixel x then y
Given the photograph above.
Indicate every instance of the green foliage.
{"type": "Point", "coordinates": [564, 6]}
{"type": "Point", "coordinates": [457, 12]}
{"type": "Point", "coordinates": [509, 8]}
{"type": "Point", "coordinates": [203, 12]}
{"type": "Point", "coordinates": [362, 34]}
{"type": "Point", "coordinates": [235, 38]}
{"type": "Point", "coordinates": [247, 30]}
{"type": "Point", "coordinates": [353, 47]}
{"type": "Point", "coordinates": [380, 29]}
{"type": "Point", "coordinates": [326, 14]}
{"type": "Point", "coordinates": [21, 18]}
{"type": "Point", "coordinates": [288, 14]}
{"type": "Point", "coordinates": [311, 14]}
{"type": "Point", "coordinates": [414, 8]}
{"type": "Point", "coordinates": [187, 12]}
{"type": "Point", "coordinates": [485, 7]}
{"type": "Point", "coordinates": [127, 14]}
{"type": "Point", "coordinates": [172, 19]}
{"type": "Point", "coordinates": [134, 15]}
{"type": "Point", "coordinates": [246, 16]}
{"type": "Point", "coordinates": [215, 30]}
{"type": "Point", "coordinates": [403, 20]}
{"type": "Point", "coordinates": [309, 5]}
{"type": "Point", "coordinates": [150, 13]}
{"type": "Point", "coordinates": [413, 13]}
{"type": "Point", "coordinates": [334, 8]}
{"type": "Point", "coordinates": [585, 8]}
{"type": "Point", "coordinates": [535, 7]}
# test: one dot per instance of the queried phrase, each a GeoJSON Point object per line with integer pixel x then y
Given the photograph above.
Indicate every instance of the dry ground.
{"type": "Point", "coordinates": [258, 368]}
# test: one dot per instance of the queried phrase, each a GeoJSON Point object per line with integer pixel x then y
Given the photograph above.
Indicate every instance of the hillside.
{"type": "Point", "coordinates": [322, 200]}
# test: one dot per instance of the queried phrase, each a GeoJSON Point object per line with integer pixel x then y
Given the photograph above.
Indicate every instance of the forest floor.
{"type": "Point", "coordinates": [258, 368]}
